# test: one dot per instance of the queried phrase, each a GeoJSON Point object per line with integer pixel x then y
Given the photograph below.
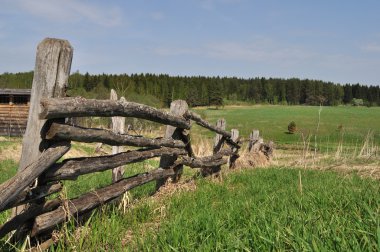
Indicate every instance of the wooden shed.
{"type": "Point", "coordinates": [14, 108]}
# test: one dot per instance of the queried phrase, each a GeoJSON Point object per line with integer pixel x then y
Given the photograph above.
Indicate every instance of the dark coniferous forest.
{"type": "Point", "coordinates": [160, 90]}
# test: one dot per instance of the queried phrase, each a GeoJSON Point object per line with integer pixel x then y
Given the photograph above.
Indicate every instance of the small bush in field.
{"type": "Point", "coordinates": [292, 127]}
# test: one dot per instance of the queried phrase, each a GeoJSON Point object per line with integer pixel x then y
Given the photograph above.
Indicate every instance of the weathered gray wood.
{"type": "Point", "coordinates": [118, 126]}
{"type": "Point", "coordinates": [59, 131]}
{"type": "Point", "coordinates": [51, 73]}
{"type": "Point", "coordinates": [76, 107]}
{"type": "Point", "coordinates": [91, 200]}
{"type": "Point", "coordinates": [255, 141]}
{"type": "Point", "coordinates": [70, 169]}
{"type": "Point", "coordinates": [15, 185]}
{"type": "Point", "coordinates": [198, 119]}
{"type": "Point", "coordinates": [234, 156]}
{"type": "Point", "coordinates": [30, 195]}
{"type": "Point", "coordinates": [218, 144]}
{"type": "Point", "coordinates": [186, 140]}
{"type": "Point", "coordinates": [177, 108]}
{"type": "Point", "coordinates": [202, 162]}
{"type": "Point", "coordinates": [31, 212]}
{"type": "Point", "coordinates": [219, 139]}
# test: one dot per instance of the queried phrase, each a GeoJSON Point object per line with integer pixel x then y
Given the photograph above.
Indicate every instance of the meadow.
{"type": "Point", "coordinates": [281, 207]}
{"type": "Point", "coordinates": [351, 123]}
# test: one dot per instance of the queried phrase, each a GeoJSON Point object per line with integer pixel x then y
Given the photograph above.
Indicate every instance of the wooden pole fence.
{"type": "Point", "coordinates": [59, 131]}
{"type": "Point", "coordinates": [48, 138]}
{"type": "Point", "coordinates": [79, 107]}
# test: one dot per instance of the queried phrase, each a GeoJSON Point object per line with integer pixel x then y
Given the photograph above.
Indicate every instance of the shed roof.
{"type": "Point", "coordinates": [8, 91]}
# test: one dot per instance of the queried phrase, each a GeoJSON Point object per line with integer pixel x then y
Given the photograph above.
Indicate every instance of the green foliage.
{"type": "Point", "coordinates": [292, 127]}
{"type": "Point", "coordinates": [357, 102]}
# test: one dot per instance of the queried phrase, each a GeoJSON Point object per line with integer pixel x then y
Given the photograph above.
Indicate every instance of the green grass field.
{"type": "Point", "coordinates": [272, 121]}
{"type": "Point", "coordinates": [260, 210]}
{"type": "Point", "coordinates": [253, 209]}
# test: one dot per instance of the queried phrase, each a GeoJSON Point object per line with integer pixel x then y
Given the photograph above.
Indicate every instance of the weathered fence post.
{"type": "Point", "coordinates": [178, 108]}
{"type": "Point", "coordinates": [51, 73]}
{"type": "Point", "coordinates": [218, 145]}
{"type": "Point", "coordinates": [255, 141]}
{"type": "Point", "coordinates": [234, 156]}
{"type": "Point", "coordinates": [118, 126]}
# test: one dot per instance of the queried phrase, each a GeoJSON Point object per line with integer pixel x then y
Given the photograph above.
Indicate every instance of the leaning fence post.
{"type": "Point", "coordinates": [178, 108]}
{"type": "Point", "coordinates": [51, 73]}
{"type": "Point", "coordinates": [118, 126]}
{"type": "Point", "coordinates": [234, 156]}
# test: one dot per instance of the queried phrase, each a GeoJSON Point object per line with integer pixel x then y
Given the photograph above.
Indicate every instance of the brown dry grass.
{"type": "Point", "coordinates": [12, 150]}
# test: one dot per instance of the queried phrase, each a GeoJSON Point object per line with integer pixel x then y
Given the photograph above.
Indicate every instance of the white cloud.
{"type": "Point", "coordinates": [258, 50]}
{"type": "Point", "coordinates": [210, 4]}
{"type": "Point", "coordinates": [71, 11]}
{"type": "Point", "coordinates": [157, 15]}
{"type": "Point", "coordinates": [372, 47]}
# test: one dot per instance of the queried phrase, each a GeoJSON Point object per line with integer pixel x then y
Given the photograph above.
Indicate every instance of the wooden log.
{"type": "Point", "coordinates": [186, 140]}
{"type": "Point", "coordinates": [203, 162]}
{"type": "Point", "coordinates": [234, 156]}
{"type": "Point", "coordinates": [91, 200]}
{"type": "Point", "coordinates": [51, 74]}
{"type": "Point", "coordinates": [177, 108]}
{"type": "Point", "coordinates": [219, 139]}
{"type": "Point", "coordinates": [118, 126]}
{"type": "Point", "coordinates": [198, 120]}
{"type": "Point", "coordinates": [15, 185]}
{"type": "Point", "coordinates": [59, 131]}
{"type": "Point", "coordinates": [77, 107]}
{"type": "Point", "coordinates": [70, 169]}
{"type": "Point", "coordinates": [218, 144]}
{"type": "Point", "coordinates": [30, 195]}
{"type": "Point", "coordinates": [31, 212]}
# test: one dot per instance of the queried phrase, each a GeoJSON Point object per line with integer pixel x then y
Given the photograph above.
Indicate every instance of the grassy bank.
{"type": "Point", "coordinates": [260, 210]}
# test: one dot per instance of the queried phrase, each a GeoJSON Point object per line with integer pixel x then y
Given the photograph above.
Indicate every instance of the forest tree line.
{"type": "Point", "coordinates": [208, 91]}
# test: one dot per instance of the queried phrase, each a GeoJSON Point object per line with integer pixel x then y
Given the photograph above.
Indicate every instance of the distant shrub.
{"type": "Point", "coordinates": [292, 127]}
{"type": "Point", "coordinates": [357, 102]}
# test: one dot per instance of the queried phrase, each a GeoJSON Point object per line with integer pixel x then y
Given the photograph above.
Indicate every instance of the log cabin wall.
{"type": "Point", "coordinates": [14, 108]}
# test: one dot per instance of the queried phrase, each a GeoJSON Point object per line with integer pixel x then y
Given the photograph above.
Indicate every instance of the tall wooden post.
{"type": "Point", "coordinates": [51, 73]}
{"type": "Point", "coordinates": [178, 108]}
{"type": "Point", "coordinates": [118, 126]}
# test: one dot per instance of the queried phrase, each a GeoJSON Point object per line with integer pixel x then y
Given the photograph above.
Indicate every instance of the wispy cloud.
{"type": "Point", "coordinates": [259, 50]}
{"type": "Point", "coordinates": [72, 11]}
{"type": "Point", "coordinates": [158, 15]}
{"type": "Point", "coordinates": [371, 47]}
{"type": "Point", "coordinates": [211, 4]}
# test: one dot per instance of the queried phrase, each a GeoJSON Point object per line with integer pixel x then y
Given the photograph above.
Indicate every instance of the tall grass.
{"type": "Point", "coordinates": [264, 210]}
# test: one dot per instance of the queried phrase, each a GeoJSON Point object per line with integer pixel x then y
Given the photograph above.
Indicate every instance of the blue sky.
{"type": "Point", "coordinates": [331, 40]}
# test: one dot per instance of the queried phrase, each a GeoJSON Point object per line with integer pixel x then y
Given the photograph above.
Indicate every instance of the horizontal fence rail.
{"type": "Point", "coordinates": [59, 131]}
{"type": "Point", "coordinates": [79, 107]}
